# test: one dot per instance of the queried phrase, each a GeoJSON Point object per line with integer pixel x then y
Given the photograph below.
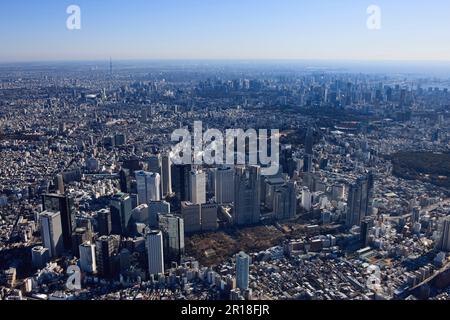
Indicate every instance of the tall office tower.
{"type": "Point", "coordinates": [443, 242]}
{"type": "Point", "coordinates": [154, 163]}
{"type": "Point", "coordinates": [125, 180]}
{"type": "Point", "coordinates": [285, 202]}
{"type": "Point", "coordinates": [306, 199]}
{"type": "Point", "coordinates": [155, 208]}
{"type": "Point", "coordinates": [180, 181]}
{"type": "Point", "coordinates": [104, 224]}
{"type": "Point", "coordinates": [198, 187]}
{"type": "Point", "coordinates": [148, 186]}
{"type": "Point", "coordinates": [366, 226]}
{"type": "Point", "coordinates": [88, 262]}
{"type": "Point", "coordinates": [242, 270]}
{"type": "Point", "coordinates": [191, 214]}
{"type": "Point", "coordinates": [79, 236]}
{"type": "Point", "coordinates": [51, 232]}
{"type": "Point", "coordinates": [208, 217]}
{"type": "Point", "coordinates": [65, 205]}
{"type": "Point", "coordinates": [134, 200]}
{"type": "Point", "coordinates": [166, 175]}
{"type": "Point", "coordinates": [308, 163]}
{"type": "Point", "coordinates": [155, 251]}
{"type": "Point", "coordinates": [309, 141]}
{"type": "Point", "coordinates": [247, 195]}
{"type": "Point", "coordinates": [140, 214]}
{"type": "Point", "coordinates": [224, 185]}
{"type": "Point", "coordinates": [359, 200]}
{"type": "Point", "coordinates": [121, 207]}
{"type": "Point", "coordinates": [40, 256]}
{"type": "Point", "coordinates": [172, 228]}
{"type": "Point", "coordinates": [107, 248]}
{"type": "Point", "coordinates": [60, 183]}
{"type": "Point", "coordinates": [287, 160]}
{"type": "Point", "coordinates": [269, 187]}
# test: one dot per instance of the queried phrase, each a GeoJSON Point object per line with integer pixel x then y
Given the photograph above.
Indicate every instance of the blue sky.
{"type": "Point", "coordinates": [225, 29]}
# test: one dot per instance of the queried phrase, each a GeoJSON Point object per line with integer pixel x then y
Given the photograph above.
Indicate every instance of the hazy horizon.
{"type": "Point", "coordinates": [277, 30]}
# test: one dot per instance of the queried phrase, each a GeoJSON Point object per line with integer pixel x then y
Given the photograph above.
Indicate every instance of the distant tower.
{"type": "Point", "coordinates": [110, 67]}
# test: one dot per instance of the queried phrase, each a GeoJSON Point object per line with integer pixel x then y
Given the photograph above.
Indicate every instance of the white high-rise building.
{"type": "Point", "coordinates": [198, 187]}
{"type": "Point", "coordinates": [148, 186]}
{"type": "Point", "coordinates": [88, 262]}
{"type": "Point", "coordinates": [306, 199]}
{"type": "Point", "coordinates": [154, 243]}
{"type": "Point", "coordinates": [51, 231]}
{"type": "Point", "coordinates": [224, 185]}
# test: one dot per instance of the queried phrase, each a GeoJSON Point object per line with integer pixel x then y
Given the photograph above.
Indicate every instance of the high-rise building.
{"type": "Point", "coordinates": [148, 186]}
{"type": "Point", "coordinates": [155, 251]}
{"type": "Point", "coordinates": [247, 195]}
{"type": "Point", "coordinates": [88, 262]}
{"type": "Point", "coordinates": [443, 242]}
{"type": "Point", "coordinates": [125, 180]}
{"type": "Point", "coordinates": [308, 163]}
{"type": "Point", "coordinates": [287, 161]}
{"type": "Point", "coordinates": [65, 205]}
{"type": "Point", "coordinates": [191, 214]}
{"type": "Point", "coordinates": [107, 248]}
{"type": "Point", "coordinates": [198, 187]}
{"type": "Point", "coordinates": [40, 256]}
{"type": "Point", "coordinates": [120, 207]}
{"type": "Point", "coordinates": [208, 217]}
{"type": "Point", "coordinates": [172, 228]}
{"type": "Point", "coordinates": [166, 175]}
{"type": "Point", "coordinates": [242, 270]}
{"type": "Point", "coordinates": [224, 185]}
{"type": "Point", "coordinates": [306, 199]}
{"type": "Point", "coordinates": [154, 163]}
{"type": "Point", "coordinates": [309, 141]}
{"type": "Point", "coordinates": [51, 232]}
{"type": "Point", "coordinates": [366, 226]}
{"type": "Point", "coordinates": [359, 200]}
{"type": "Point", "coordinates": [155, 208]}
{"type": "Point", "coordinates": [180, 181]}
{"type": "Point", "coordinates": [104, 224]}
{"type": "Point", "coordinates": [285, 202]}
{"type": "Point", "coordinates": [79, 236]}
{"type": "Point", "coordinates": [270, 186]}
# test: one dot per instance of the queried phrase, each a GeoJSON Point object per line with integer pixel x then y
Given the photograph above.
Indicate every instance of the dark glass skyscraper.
{"type": "Point", "coordinates": [247, 188]}
{"type": "Point", "coordinates": [359, 200]}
